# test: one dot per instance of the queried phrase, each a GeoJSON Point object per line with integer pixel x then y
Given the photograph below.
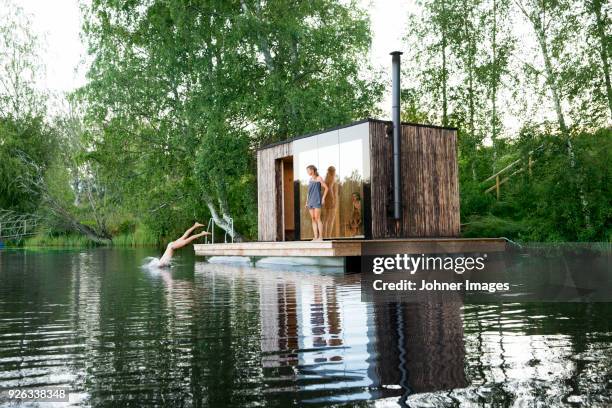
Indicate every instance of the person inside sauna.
{"type": "Point", "coordinates": [315, 200]}
{"type": "Point", "coordinates": [355, 220]}
{"type": "Point", "coordinates": [330, 207]}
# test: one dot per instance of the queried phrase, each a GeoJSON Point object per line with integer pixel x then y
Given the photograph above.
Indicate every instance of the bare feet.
{"type": "Point", "coordinates": [197, 224]}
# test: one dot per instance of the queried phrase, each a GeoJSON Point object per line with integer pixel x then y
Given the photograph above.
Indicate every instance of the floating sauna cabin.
{"type": "Point", "coordinates": [393, 188]}
{"type": "Point", "coordinates": [377, 195]}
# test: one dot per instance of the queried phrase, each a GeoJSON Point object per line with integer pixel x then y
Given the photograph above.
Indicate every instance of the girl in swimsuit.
{"type": "Point", "coordinates": [314, 201]}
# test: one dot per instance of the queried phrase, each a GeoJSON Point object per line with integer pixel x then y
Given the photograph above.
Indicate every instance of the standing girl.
{"type": "Point", "coordinates": [314, 201]}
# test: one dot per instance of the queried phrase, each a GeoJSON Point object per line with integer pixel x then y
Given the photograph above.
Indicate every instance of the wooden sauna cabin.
{"type": "Point", "coordinates": [394, 188]}
{"type": "Point", "coordinates": [356, 162]}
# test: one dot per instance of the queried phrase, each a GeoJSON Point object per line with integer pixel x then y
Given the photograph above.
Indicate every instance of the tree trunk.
{"type": "Point", "coordinates": [471, 96]}
{"type": "Point", "coordinates": [223, 220]}
{"type": "Point", "coordinates": [538, 28]}
{"type": "Point", "coordinates": [444, 73]}
{"type": "Point", "coordinates": [600, 26]}
{"type": "Point", "coordinates": [551, 82]}
{"type": "Point", "coordinates": [494, 87]}
{"type": "Point", "coordinates": [100, 237]}
{"type": "Point", "coordinates": [470, 68]}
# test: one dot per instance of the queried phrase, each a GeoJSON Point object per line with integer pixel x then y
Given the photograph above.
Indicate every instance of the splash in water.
{"type": "Point", "coordinates": [151, 262]}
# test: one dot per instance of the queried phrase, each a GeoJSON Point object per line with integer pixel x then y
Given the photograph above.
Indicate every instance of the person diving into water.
{"type": "Point", "coordinates": [185, 240]}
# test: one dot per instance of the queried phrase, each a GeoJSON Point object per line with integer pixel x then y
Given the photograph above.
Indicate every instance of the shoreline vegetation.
{"type": "Point", "coordinates": [138, 238]}
{"type": "Point", "coordinates": [166, 128]}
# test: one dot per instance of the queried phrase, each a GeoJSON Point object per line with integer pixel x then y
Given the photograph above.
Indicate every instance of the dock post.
{"type": "Point", "coordinates": [352, 264]}
{"type": "Point", "coordinates": [253, 260]}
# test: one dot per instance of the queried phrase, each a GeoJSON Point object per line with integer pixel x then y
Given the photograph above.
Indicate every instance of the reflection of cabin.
{"type": "Point", "coordinates": [419, 346]}
{"type": "Point", "coordinates": [356, 161]}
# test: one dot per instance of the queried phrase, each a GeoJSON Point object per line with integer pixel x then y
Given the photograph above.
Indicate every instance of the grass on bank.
{"type": "Point", "coordinates": [141, 237]}
{"type": "Point", "coordinates": [67, 240]}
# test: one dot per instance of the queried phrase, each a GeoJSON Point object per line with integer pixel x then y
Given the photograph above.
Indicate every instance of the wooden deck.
{"type": "Point", "coordinates": [346, 248]}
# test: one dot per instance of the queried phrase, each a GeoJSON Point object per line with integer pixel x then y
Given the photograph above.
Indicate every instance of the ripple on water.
{"type": "Point", "coordinates": [223, 335]}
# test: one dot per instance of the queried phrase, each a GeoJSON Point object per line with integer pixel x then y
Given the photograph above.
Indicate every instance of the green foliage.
{"type": "Point", "coordinates": [23, 139]}
{"type": "Point", "coordinates": [180, 93]}
{"type": "Point", "coordinates": [546, 203]}
{"type": "Point", "coordinates": [139, 236]}
{"type": "Point", "coordinates": [491, 226]}
{"type": "Point", "coordinates": [468, 69]}
{"type": "Point", "coordinates": [59, 240]}
{"type": "Point", "coordinates": [133, 236]}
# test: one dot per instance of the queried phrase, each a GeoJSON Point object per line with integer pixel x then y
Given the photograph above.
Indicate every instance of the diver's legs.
{"type": "Point", "coordinates": [190, 230]}
{"type": "Point", "coordinates": [181, 242]}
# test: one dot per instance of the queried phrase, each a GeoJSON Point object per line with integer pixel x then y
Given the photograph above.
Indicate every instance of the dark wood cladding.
{"type": "Point", "coordinates": [430, 190]}
{"type": "Point", "coordinates": [381, 167]}
{"type": "Point", "coordinates": [269, 210]}
{"type": "Point", "coordinates": [432, 336]}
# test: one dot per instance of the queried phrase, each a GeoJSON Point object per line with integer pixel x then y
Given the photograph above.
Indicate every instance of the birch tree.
{"type": "Point", "coordinates": [494, 69]}
{"type": "Point", "coordinates": [599, 31]}
{"type": "Point", "coordinates": [553, 22]}
{"type": "Point", "coordinates": [20, 65]}
{"type": "Point", "coordinates": [546, 20]}
{"type": "Point", "coordinates": [180, 93]}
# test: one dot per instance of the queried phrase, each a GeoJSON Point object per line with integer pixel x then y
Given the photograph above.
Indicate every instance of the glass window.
{"type": "Point", "coordinates": [342, 160]}
{"type": "Point", "coordinates": [329, 159]}
{"type": "Point", "coordinates": [354, 171]}
{"type": "Point", "coordinates": [304, 154]}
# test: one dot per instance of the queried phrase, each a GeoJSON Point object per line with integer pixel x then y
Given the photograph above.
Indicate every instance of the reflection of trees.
{"type": "Point", "coordinates": [37, 306]}
{"type": "Point", "coordinates": [228, 336]}
{"type": "Point", "coordinates": [537, 353]}
{"type": "Point", "coordinates": [137, 323]}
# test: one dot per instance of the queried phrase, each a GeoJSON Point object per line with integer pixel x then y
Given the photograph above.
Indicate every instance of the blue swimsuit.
{"type": "Point", "coordinates": [314, 194]}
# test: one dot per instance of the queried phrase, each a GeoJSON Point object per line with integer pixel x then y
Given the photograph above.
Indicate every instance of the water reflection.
{"type": "Point", "coordinates": [216, 335]}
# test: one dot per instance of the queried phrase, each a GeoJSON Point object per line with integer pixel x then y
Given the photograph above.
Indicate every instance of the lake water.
{"type": "Point", "coordinates": [227, 336]}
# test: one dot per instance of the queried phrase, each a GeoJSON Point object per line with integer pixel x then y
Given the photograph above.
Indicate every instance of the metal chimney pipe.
{"type": "Point", "coordinates": [397, 129]}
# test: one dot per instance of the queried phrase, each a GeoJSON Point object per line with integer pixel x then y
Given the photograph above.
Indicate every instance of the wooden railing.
{"type": "Point", "coordinates": [504, 175]}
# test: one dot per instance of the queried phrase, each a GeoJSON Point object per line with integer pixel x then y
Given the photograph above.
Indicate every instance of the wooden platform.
{"type": "Point", "coordinates": [354, 247]}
